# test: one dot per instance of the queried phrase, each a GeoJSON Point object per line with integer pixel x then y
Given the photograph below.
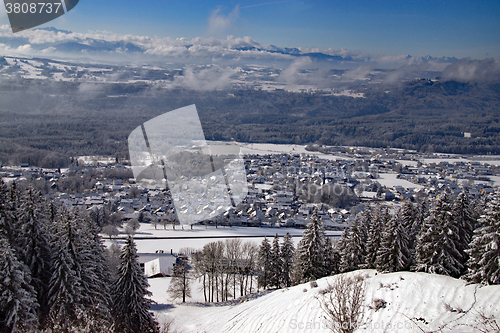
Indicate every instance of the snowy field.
{"type": "Point", "coordinates": [390, 180]}
{"type": "Point", "coordinates": [415, 302]}
{"type": "Point", "coordinates": [271, 148]}
{"type": "Point", "coordinates": [200, 235]}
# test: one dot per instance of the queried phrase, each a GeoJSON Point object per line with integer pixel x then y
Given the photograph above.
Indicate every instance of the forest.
{"type": "Point", "coordinates": [45, 123]}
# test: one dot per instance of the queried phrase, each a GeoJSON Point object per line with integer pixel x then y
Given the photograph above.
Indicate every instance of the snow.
{"type": "Point", "coordinates": [408, 163]}
{"type": "Point", "coordinates": [390, 180]}
{"type": "Point", "coordinates": [201, 235]}
{"type": "Point", "coordinates": [271, 148]}
{"type": "Point", "coordinates": [415, 302]}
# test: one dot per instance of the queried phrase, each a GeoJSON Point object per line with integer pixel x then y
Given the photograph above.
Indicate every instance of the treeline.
{"type": "Point", "coordinates": [54, 276]}
{"type": "Point", "coordinates": [458, 238]}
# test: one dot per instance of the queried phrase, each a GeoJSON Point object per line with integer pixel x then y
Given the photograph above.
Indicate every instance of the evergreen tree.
{"type": "Point", "coordinates": [353, 251]}
{"type": "Point", "coordinates": [35, 239]}
{"type": "Point", "coordinates": [464, 216]}
{"type": "Point", "coordinates": [276, 265]}
{"type": "Point", "coordinates": [130, 304]}
{"type": "Point", "coordinates": [330, 258]}
{"type": "Point", "coordinates": [393, 254]}
{"type": "Point", "coordinates": [287, 253]}
{"type": "Point", "coordinates": [309, 261]}
{"type": "Point", "coordinates": [365, 222]}
{"type": "Point", "coordinates": [422, 212]}
{"type": "Point", "coordinates": [374, 238]}
{"type": "Point", "coordinates": [438, 242]}
{"type": "Point", "coordinates": [18, 304]}
{"type": "Point", "coordinates": [484, 251]}
{"type": "Point", "coordinates": [9, 225]}
{"type": "Point", "coordinates": [264, 263]}
{"type": "Point", "coordinates": [95, 276]}
{"type": "Point", "coordinates": [66, 306]}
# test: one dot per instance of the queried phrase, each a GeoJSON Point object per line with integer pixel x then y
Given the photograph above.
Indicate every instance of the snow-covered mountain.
{"type": "Point", "coordinates": [411, 302]}
{"type": "Point", "coordinates": [114, 47]}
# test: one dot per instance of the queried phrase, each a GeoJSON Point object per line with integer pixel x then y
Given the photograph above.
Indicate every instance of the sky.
{"type": "Point", "coordinates": [454, 28]}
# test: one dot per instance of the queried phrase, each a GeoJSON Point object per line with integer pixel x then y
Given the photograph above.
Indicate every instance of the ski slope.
{"type": "Point", "coordinates": [415, 302]}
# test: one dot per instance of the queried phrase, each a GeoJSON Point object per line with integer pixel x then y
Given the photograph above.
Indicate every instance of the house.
{"type": "Point", "coordinates": [163, 265]}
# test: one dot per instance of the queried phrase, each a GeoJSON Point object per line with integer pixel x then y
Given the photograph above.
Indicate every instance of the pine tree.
{"type": "Point", "coordinates": [393, 254]}
{"type": "Point", "coordinates": [330, 258]}
{"type": "Point", "coordinates": [18, 304]}
{"type": "Point", "coordinates": [484, 251]}
{"type": "Point", "coordinates": [422, 212]}
{"type": "Point", "coordinates": [264, 263]}
{"type": "Point", "coordinates": [130, 304]}
{"type": "Point", "coordinates": [276, 266]}
{"type": "Point", "coordinates": [438, 242]}
{"type": "Point", "coordinates": [95, 276]}
{"type": "Point", "coordinates": [287, 253]}
{"type": "Point", "coordinates": [309, 261]}
{"type": "Point", "coordinates": [35, 239]}
{"type": "Point", "coordinates": [374, 238]}
{"type": "Point", "coordinates": [353, 251]}
{"type": "Point", "coordinates": [464, 216]}
{"type": "Point", "coordinates": [66, 306]}
{"type": "Point", "coordinates": [9, 225]}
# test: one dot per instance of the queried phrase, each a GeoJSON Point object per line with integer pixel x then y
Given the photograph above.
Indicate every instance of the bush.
{"type": "Point", "coordinates": [342, 302]}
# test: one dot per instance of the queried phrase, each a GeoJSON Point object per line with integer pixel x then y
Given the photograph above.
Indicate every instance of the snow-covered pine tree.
{"type": "Point", "coordinates": [353, 251]}
{"type": "Point", "coordinates": [331, 266]}
{"type": "Point", "coordinates": [484, 249]}
{"type": "Point", "coordinates": [374, 238]}
{"type": "Point", "coordinates": [9, 225]}
{"type": "Point", "coordinates": [393, 254]}
{"type": "Point", "coordinates": [409, 216]}
{"type": "Point", "coordinates": [422, 211]}
{"type": "Point", "coordinates": [95, 276]}
{"type": "Point", "coordinates": [264, 264]}
{"type": "Point", "coordinates": [464, 216]}
{"type": "Point", "coordinates": [366, 220]}
{"type": "Point", "coordinates": [438, 242]}
{"type": "Point", "coordinates": [130, 304]}
{"type": "Point", "coordinates": [35, 239]}
{"type": "Point", "coordinates": [309, 261]}
{"type": "Point", "coordinates": [276, 265]}
{"type": "Point", "coordinates": [287, 252]}
{"type": "Point", "coordinates": [18, 304]}
{"type": "Point", "coordinates": [66, 298]}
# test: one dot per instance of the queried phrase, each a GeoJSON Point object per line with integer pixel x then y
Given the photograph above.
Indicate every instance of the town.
{"type": "Point", "coordinates": [283, 188]}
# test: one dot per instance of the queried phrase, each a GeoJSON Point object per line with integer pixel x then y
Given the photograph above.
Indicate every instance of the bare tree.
{"type": "Point", "coordinates": [179, 285]}
{"type": "Point", "coordinates": [342, 302]}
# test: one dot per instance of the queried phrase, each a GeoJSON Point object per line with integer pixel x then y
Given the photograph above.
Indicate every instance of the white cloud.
{"type": "Point", "coordinates": [473, 70]}
{"type": "Point", "coordinates": [213, 78]}
{"type": "Point", "coordinates": [218, 23]}
{"type": "Point", "coordinates": [291, 74]}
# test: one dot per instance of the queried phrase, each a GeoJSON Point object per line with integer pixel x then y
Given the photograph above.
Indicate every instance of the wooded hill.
{"type": "Point", "coordinates": [44, 123]}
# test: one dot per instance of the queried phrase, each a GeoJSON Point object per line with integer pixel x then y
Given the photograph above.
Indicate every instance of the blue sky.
{"type": "Point", "coordinates": [424, 27]}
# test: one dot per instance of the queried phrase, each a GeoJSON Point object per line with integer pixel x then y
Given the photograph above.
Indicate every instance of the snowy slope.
{"type": "Point", "coordinates": [415, 302]}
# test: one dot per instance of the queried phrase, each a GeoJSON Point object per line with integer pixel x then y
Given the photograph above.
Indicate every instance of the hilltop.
{"type": "Point", "coordinates": [414, 302]}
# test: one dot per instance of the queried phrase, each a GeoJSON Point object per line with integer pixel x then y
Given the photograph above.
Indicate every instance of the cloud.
{"type": "Point", "coordinates": [213, 78]}
{"type": "Point", "coordinates": [218, 23]}
{"type": "Point", "coordinates": [473, 70]}
{"type": "Point", "coordinates": [292, 74]}
{"type": "Point", "coordinates": [356, 74]}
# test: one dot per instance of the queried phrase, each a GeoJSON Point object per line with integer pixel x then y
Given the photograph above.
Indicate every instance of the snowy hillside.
{"type": "Point", "coordinates": [415, 302]}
